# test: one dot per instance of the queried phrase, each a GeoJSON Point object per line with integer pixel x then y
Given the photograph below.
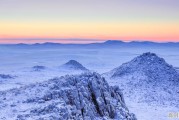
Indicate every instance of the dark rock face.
{"type": "Point", "coordinates": [73, 65]}
{"type": "Point", "coordinates": [84, 97]}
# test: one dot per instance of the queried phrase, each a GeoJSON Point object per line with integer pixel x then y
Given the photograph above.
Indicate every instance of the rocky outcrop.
{"type": "Point", "coordinates": [83, 97]}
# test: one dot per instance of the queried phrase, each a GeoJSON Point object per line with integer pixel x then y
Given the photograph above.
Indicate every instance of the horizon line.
{"type": "Point", "coordinates": [92, 41]}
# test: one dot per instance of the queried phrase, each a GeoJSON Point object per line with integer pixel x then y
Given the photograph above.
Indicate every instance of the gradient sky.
{"type": "Point", "coordinates": [29, 21]}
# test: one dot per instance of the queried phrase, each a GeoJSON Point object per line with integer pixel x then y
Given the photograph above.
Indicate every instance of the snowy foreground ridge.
{"type": "Point", "coordinates": [81, 97]}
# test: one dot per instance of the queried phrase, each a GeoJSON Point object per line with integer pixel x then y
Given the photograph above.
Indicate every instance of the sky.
{"type": "Point", "coordinates": [84, 21]}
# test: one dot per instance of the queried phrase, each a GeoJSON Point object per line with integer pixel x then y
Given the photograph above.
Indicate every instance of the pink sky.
{"type": "Point", "coordinates": [64, 21]}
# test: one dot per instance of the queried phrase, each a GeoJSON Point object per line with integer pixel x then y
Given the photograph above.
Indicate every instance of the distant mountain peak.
{"type": "Point", "coordinates": [47, 43]}
{"type": "Point", "coordinates": [73, 65]}
{"type": "Point", "coordinates": [113, 41]}
{"type": "Point", "coordinates": [73, 62]}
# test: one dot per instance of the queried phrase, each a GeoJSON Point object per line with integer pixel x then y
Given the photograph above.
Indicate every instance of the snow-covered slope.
{"type": "Point", "coordinates": [148, 78]}
{"type": "Point", "coordinates": [87, 96]}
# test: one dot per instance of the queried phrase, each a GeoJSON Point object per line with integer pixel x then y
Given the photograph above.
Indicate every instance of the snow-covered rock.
{"type": "Point", "coordinates": [81, 97]}
{"type": "Point", "coordinates": [148, 78]}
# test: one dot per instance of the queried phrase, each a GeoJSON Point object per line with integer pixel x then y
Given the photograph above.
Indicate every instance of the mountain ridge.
{"type": "Point", "coordinates": [103, 42]}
